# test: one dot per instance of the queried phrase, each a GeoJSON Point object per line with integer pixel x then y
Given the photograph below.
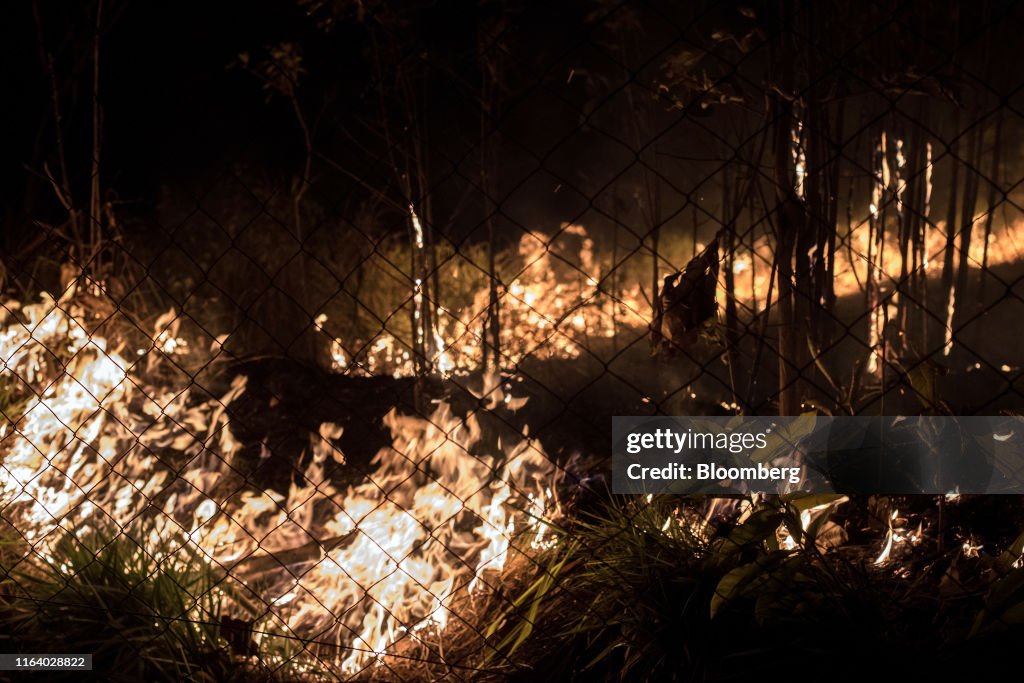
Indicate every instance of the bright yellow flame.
{"type": "Point", "coordinates": [368, 565]}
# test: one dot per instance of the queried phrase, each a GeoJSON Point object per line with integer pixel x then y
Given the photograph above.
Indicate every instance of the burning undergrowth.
{"type": "Point", "coordinates": [134, 508]}
{"type": "Point", "coordinates": [316, 576]}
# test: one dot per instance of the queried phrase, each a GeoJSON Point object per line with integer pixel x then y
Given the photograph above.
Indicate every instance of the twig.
{"type": "Point", "coordinates": [259, 564]}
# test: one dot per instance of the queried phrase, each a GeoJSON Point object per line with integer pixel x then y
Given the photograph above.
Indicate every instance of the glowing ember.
{"type": "Point", "coordinates": [947, 347]}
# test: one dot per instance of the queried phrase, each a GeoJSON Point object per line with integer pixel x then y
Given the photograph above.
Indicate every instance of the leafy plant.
{"type": "Point", "coordinates": [647, 590]}
{"type": "Point", "coordinates": [143, 613]}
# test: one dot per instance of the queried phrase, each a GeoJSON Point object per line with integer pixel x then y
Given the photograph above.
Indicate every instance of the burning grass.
{"type": "Point", "coordinates": [116, 594]}
{"type": "Point", "coordinates": [348, 575]}
{"type": "Point", "coordinates": [649, 590]}
{"type": "Point", "coordinates": [132, 531]}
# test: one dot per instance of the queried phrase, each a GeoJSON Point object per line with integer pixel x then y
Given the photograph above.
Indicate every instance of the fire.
{"type": "Point", "coordinates": [827, 535]}
{"type": "Point", "coordinates": [852, 260]}
{"type": "Point", "coordinates": [559, 302]}
{"type": "Point", "coordinates": [897, 534]}
{"type": "Point", "coordinates": [363, 568]}
{"type": "Point", "coordinates": [553, 307]}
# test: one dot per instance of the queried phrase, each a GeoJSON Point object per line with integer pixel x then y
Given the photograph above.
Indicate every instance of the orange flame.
{"type": "Point", "coordinates": [387, 555]}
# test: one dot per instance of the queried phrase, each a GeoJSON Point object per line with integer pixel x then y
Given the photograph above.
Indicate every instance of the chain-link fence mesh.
{"type": "Point", "coordinates": [351, 422]}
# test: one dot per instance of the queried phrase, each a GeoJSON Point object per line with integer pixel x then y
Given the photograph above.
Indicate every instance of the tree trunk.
{"type": "Point", "coordinates": [950, 248]}
{"type": "Point", "coordinates": [995, 189]}
{"type": "Point", "coordinates": [964, 307]}
{"type": "Point", "coordinates": [790, 221]}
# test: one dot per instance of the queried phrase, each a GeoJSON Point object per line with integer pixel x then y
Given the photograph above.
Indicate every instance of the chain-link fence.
{"type": "Point", "coordinates": [350, 420]}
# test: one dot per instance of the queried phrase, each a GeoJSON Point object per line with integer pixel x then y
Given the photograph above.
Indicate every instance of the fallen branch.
{"type": "Point", "coordinates": [262, 563]}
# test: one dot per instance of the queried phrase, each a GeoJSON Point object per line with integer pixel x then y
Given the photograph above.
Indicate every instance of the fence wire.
{"type": "Point", "coordinates": [335, 425]}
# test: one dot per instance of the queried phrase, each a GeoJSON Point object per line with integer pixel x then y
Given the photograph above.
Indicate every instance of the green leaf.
{"type": "Point", "coordinates": [1011, 555]}
{"type": "Point", "coordinates": [754, 529]}
{"type": "Point", "coordinates": [806, 501]}
{"type": "Point", "coordinates": [730, 586]}
{"type": "Point", "coordinates": [783, 439]}
{"type": "Point", "coordinates": [1004, 605]}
